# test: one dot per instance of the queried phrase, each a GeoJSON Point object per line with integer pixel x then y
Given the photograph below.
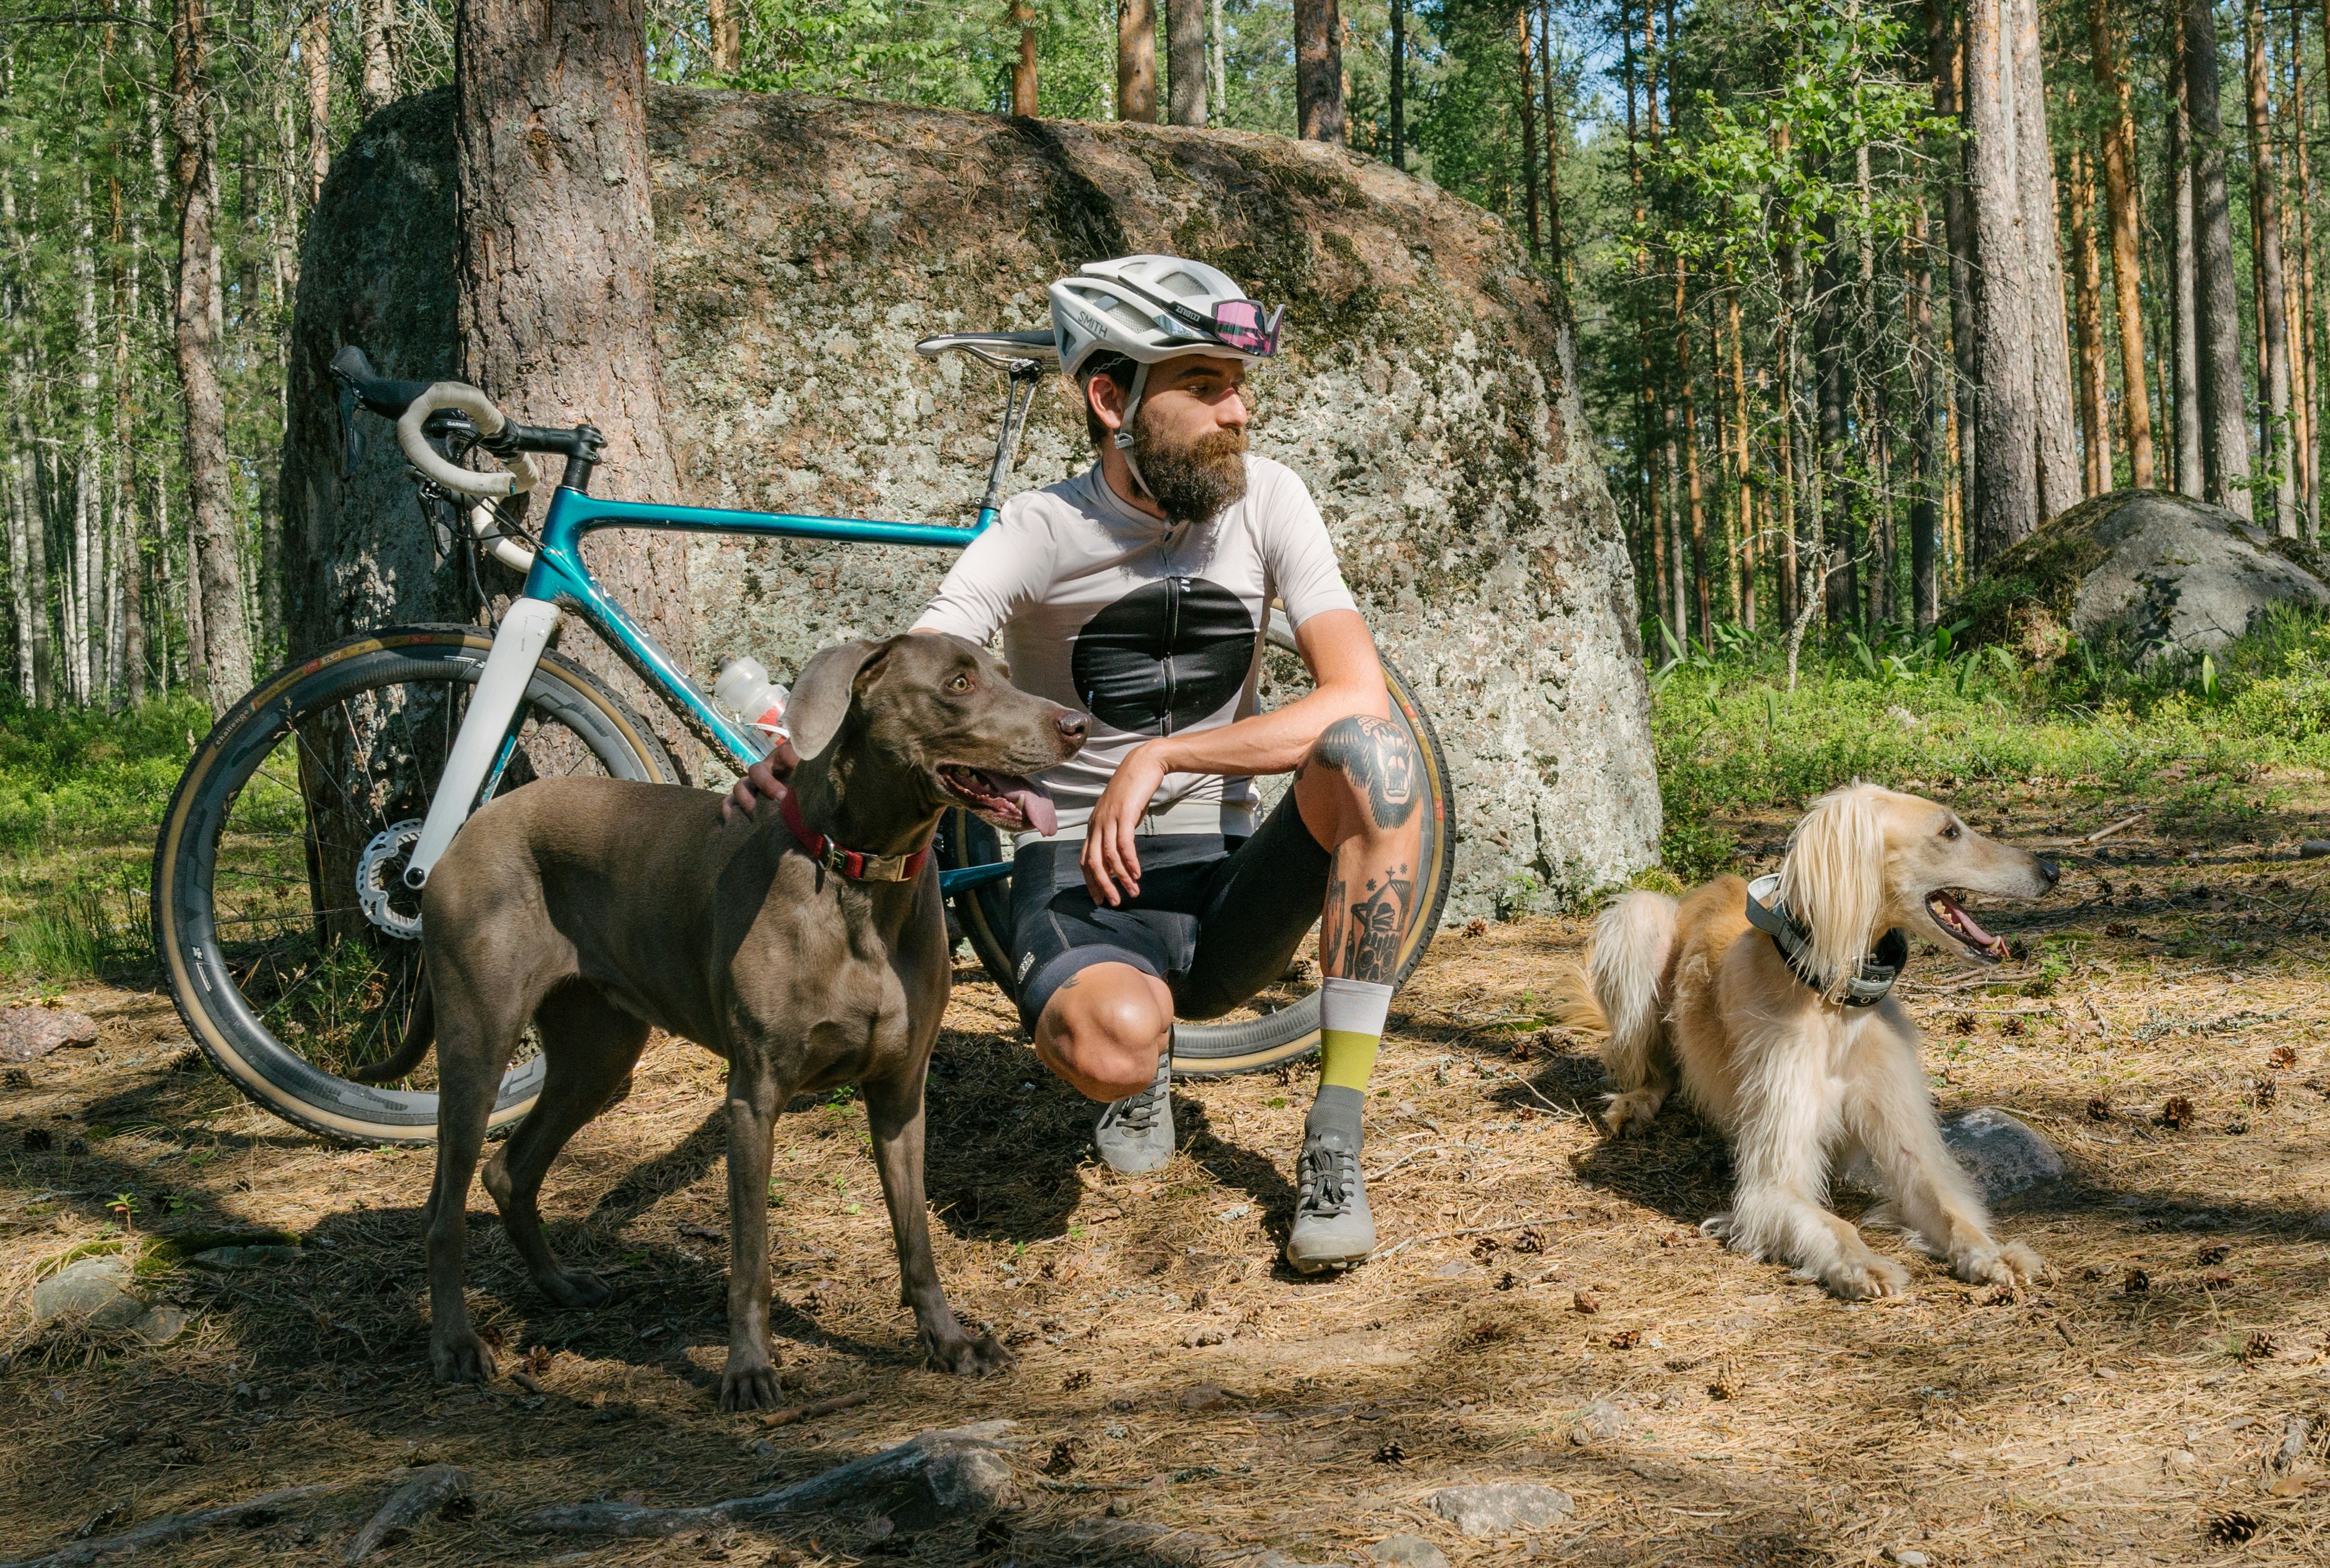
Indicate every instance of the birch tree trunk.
{"type": "Point", "coordinates": [2051, 383]}
{"type": "Point", "coordinates": [2274, 451]}
{"type": "Point", "coordinates": [2184, 344]}
{"type": "Point", "coordinates": [1185, 62]}
{"type": "Point", "coordinates": [2225, 445]}
{"type": "Point", "coordinates": [216, 590]}
{"type": "Point", "coordinates": [1317, 70]}
{"type": "Point", "coordinates": [557, 237]}
{"type": "Point", "coordinates": [2006, 459]}
{"type": "Point", "coordinates": [2121, 206]}
{"type": "Point", "coordinates": [1136, 61]}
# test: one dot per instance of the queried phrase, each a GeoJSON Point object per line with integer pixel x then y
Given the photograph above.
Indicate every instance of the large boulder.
{"type": "Point", "coordinates": [2148, 575]}
{"type": "Point", "coordinates": [1430, 399]}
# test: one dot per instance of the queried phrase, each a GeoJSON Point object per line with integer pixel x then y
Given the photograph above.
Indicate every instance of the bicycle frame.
{"type": "Point", "coordinates": [560, 582]}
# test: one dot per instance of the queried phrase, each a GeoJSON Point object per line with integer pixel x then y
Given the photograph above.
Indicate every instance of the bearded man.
{"type": "Point", "coordinates": [1139, 591]}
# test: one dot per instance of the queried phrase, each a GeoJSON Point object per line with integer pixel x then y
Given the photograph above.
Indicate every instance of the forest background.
{"type": "Point", "coordinates": [1783, 230]}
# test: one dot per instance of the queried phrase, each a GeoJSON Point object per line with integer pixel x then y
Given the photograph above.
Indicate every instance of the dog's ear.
{"type": "Point", "coordinates": [822, 692]}
{"type": "Point", "coordinates": [1833, 880]}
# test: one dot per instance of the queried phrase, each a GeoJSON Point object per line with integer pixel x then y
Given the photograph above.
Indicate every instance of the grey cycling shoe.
{"type": "Point", "coordinates": [1332, 1227]}
{"type": "Point", "coordinates": [1135, 1134]}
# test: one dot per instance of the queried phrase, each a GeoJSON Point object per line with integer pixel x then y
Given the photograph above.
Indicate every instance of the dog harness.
{"type": "Point", "coordinates": [854, 865]}
{"type": "Point", "coordinates": [1870, 982]}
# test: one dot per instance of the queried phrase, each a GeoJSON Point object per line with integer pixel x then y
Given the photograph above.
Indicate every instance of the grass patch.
{"type": "Point", "coordinates": [80, 794]}
{"type": "Point", "coordinates": [1731, 736]}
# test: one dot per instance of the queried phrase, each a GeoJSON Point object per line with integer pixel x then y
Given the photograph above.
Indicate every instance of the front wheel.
{"type": "Point", "coordinates": [1285, 1025]}
{"type": "Point", "coordinates": [280, 913]}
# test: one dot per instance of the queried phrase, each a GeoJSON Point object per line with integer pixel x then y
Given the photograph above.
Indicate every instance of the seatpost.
{"type": "Point", "coordinates": [1018, 398]}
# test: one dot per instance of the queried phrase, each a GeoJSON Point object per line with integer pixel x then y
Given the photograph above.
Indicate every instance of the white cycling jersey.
{"type": "Point", "coordinates": [1152, 627]}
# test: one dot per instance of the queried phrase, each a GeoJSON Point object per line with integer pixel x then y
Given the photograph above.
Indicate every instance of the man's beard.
{"type": "Point", "coordinates": [1192, 483]}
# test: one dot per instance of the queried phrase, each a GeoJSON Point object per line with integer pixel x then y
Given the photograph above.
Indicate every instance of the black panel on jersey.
{"type": "Point", "coordinates": [1164, 656]}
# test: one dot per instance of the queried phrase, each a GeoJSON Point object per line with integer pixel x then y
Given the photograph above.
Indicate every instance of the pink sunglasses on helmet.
{"type": "Point", "coordinates": [1238, 323]}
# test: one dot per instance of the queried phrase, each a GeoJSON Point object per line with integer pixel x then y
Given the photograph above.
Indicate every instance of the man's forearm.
{"type": "Point", "coordinates": [1271, 742]}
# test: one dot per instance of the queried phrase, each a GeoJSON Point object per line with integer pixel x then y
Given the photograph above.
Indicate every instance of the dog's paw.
{"type": "Point", "coordinates": [749, 1385]}
{"type": "Point", "coordinates": [966, 1357]}
{"type": "Point", "coordinates": [1866, 1279]}
{"type": "Point", "coordinates": [461, 1357]}
{"type": "Point", "coordinates": [2009, 1263]}
{"type": "Point", "coordinates": [575, 1287]}
{"type": "Point", "coordinates": [1628, 1114]}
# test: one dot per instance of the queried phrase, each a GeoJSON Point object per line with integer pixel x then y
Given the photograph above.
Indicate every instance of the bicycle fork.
{"type": "Point", "coordinates": [485, 736]}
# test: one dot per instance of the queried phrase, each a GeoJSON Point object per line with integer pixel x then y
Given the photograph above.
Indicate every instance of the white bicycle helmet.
{"type": "Point", "coordinates": [1152, 307]}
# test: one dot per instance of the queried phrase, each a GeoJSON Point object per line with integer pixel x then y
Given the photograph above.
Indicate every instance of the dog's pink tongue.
{"type": "Point", "coordinates": [1972, 927]}
{"type": "Point", "coordinates": [1034, 804]}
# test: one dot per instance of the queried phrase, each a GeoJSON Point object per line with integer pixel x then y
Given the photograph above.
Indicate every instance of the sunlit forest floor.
{"type": "Point", "coordinates": [1707, 1409]}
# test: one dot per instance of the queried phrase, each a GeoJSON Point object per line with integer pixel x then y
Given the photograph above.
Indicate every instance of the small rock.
{"type": "Point", "coordinates": [161, 1325]}
{"type": "Point", "coordinates": [1501, 1509]}
{"type": "Point", "coordinates": [2001, 1151]}
{"type": "Point", "coordinates": [246, 1257]}
{"type": "Point", "coordinates": [1454, 1269]}
{"type": "Point", "coordinates": [96, 1289]}
{"type": "Point", "coordinates": [1906, 1557]}
{"type": "Point", "coordinates": [27, 1034]}
{"type": "Point", "coordinates": [1197, 1338]}
{"type": "Point", "coordinates": [1599, 1422]}
{"type": "Point", "coordinates": [2313, 849]}
{"type": "Point", "coordinates": [1408, 1552]}
{"type": "Point", "coordinates": [1204, 1396]}
{"type": "Point", "coordinates": [2181, 1459]}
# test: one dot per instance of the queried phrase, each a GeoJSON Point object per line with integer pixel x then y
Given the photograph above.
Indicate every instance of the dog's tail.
{"type": "Point", "coordinates": [1616, 993]}
{"type": "Point", "coordinates": [419, 1035]}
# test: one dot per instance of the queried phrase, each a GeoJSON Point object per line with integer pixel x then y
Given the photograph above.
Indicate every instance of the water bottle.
{"type": "Point", "coordinates": [744, 687]}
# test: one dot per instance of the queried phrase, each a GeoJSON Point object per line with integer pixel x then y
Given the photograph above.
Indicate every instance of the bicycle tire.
{"type": "Point", "coordinates": [203, 980]}
{"type": "Point", "coordinates": [1275, 1038]}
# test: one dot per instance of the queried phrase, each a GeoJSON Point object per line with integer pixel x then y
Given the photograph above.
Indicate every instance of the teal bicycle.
{"type": "Point", "coordinates": [289, 869]}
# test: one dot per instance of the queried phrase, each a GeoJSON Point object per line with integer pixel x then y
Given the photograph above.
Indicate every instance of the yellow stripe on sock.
{"type": "Point", "coordinates": [1347, 1058]}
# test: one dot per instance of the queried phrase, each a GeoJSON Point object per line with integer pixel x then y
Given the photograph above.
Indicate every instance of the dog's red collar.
{"type": "Point", "coordinates": [854, 865]}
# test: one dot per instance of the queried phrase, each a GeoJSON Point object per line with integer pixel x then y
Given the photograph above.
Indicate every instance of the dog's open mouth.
{"type": "Point", "coordinates": [1008, 801]}
{"type": "Point", "coordinates": [1951, 917]}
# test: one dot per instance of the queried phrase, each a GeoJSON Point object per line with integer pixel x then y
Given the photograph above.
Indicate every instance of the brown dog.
{"type": "Point", "coordinates": [1793, 1044]}
{"type": "Point", "coordinates": [598, 908]}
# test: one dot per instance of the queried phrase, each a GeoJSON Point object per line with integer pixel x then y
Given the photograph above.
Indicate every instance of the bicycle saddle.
{"type": "Point", "coordinates": [995, 347]}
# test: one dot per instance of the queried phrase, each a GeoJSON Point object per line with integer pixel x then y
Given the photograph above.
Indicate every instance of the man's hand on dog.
{"type": "Point", "coordinates": [763, 780]}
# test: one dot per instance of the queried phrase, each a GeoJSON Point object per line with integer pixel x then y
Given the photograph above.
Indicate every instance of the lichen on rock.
{"type": "Point", "coordinates": [1429, 397]}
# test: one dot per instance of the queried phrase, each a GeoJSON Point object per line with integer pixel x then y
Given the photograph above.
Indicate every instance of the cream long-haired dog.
{"type": "Point", "coordinates": [1803, 1055]}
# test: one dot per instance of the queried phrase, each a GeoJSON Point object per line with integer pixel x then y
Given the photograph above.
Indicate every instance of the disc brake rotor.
{"type": "Point", "coordinates": [386, 901]}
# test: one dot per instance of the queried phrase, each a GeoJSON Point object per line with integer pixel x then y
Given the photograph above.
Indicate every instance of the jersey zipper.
{"type": "Point", "coordinates": [1172, 640]}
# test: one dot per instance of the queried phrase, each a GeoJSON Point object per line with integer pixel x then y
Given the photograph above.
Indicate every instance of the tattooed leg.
{"type": "Point", "coordinates": [1360, 793]}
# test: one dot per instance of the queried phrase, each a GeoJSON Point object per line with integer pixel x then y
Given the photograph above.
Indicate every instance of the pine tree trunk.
{"type": "Point", "coordinates": [2005, 459]}
{"type": "Point", "coordinates": [2273, 321]}
{"type": "Point", "coordinates": [316, 77]}
{"type": "Point", "coordinates": [1528, 132]}
{"type": "Point", "coordinates": [2050, 338]}
{"type": "Point", "coordinates": [1317, 70]}
{"type": "Point", "coordinates": [1925, 370]}
{"type": "Point", "coordinates": [376, 86]}
{"type": "Point", "coordinates": [216, 573]}
{"type": "Point", "coordinates": [1022, 16]}
{"type": "Point", "coordinates": [1556, 255]}
{"type": "Point", "coordinates": [724, 20]}
{"type": "Point", "coordinates": [2120, 203]}
{"type": "Point", "coordinates": [557, 263]}
{"type": "Point", "coordinates": [1136, 61]}
{"type": "Point", "coordinates": [1701, 594]}
{"type": "Point", "coordinates": [2087, 283]}
{"type": "Point", "coordinates": [2224, 420]}
{"type": "Point", "coordinates": [1832, 518]}
{"type": "Point", "coordinates": [1746, 503]}
{"type": "Point", "coordinates": [1945, 61]}
{"type": "Point", "coordinates": [2304, 367]}
{"type": "Point", "coordinates": [2184, 348]}
{"type": "Point", "coordinates": [1185, 62]}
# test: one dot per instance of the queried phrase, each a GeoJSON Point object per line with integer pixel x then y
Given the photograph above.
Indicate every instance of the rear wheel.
{"type": "Point", "coordinates": [1284, 1025]}
{"type": "Point", "coordinates": [292, 944]}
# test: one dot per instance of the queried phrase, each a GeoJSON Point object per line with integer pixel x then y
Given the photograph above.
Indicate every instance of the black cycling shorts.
{"type": "Point", "coordinates": [1217, 920]}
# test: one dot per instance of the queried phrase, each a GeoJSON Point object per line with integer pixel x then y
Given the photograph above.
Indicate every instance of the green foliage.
{"type": "Point", "coordinates": [1730, 738]}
